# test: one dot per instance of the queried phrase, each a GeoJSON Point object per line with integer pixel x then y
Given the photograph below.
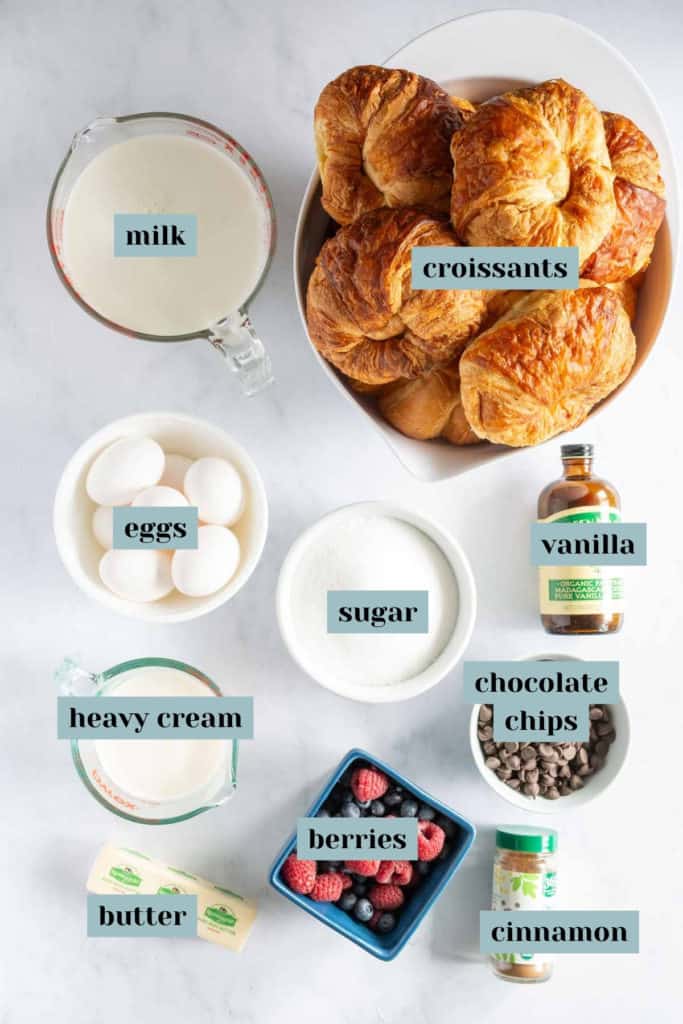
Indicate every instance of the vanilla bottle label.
{"type": "Point", "coordinates": [581, 589]}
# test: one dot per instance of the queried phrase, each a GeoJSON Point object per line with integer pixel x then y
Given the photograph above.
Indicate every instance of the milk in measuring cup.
{"type": "Point", "coordinates": [161, 770]}
{"type": "Point", "coordinates": [160, 295]}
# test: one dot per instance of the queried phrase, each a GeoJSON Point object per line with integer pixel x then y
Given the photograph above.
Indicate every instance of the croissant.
{"type": "Point", "coordinates": [363, 314]}
{"type": "Point", "coordinates": [498, 303]}
{"type": "Point", "coordinates": [383, 139]}
{"type": "Point", "coordinates": [531, 167]}
{"type": "Point", "coordinates": [542, 367]}
{"type": "Point", "coordinates": [639, 195]}
{"type": "Point", "coordinates": [428, 407]}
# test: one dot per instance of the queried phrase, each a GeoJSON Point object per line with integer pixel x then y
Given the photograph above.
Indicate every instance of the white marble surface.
{"type": "Point", "coordinates": [256, 68]}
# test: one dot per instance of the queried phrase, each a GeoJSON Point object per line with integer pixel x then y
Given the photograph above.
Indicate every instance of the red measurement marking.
{"type": "Point", "coordinates": [110, 793]}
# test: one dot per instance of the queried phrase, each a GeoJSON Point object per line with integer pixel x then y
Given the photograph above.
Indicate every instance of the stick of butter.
{"type": "Point", "coordinates": [223, 916]}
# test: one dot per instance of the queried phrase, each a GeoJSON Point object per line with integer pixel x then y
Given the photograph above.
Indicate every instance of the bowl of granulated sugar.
{"type": "Point", "coordinates": [376, 602]}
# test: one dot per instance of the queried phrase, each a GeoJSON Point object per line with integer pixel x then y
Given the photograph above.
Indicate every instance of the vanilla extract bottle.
{"type": "Point", "coordinates": [580, 599]}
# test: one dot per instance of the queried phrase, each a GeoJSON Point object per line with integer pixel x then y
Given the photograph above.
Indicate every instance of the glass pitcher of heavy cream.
{"type": "Point", "coordinates": [162, 227]}
{"type": "Point", "coordinates": [151, 781]}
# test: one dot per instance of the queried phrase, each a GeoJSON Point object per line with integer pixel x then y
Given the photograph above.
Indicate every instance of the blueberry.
{"type": "Point", "coordinates": [348, 900]}
{"type": "Point", "coordinates": [448, 826]}
{"type": "Point", "coordinates": [426, 813]}
{"type": "Point", "coordinates": [392, 798]}
{"type": "Point", "coordinates": [363, 910]}
{"type": "Point", "coordinates": [377, 808]}
{"type": "Point", "coordinates": [323, 813]}
{"type": "Point", "coordinates": [350, 810]}
{"type": "Point", "coordinates": [331, 865]}
{"type": "Point", "coordinates": [408, 808]}
{"type": "Point", "coordinates": [445, 852]}
{"type": "Point", "coordinates": [385, 922]}
{"type": "Point", "coordinates": [423, 868]}
{"type": "Point", "coordinates": [360, 888]}
{"type": "Point", "coordinates": [364, 804]}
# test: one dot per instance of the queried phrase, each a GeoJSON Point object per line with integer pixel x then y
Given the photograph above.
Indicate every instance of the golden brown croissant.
{"type": "Point", "coordinates": [383, 139]}
{"type": "Point", "coordinates": [464, 106]}
{"type": "Point", "coordinates": [363, 315]}
{"type": "Point", "coordinates": [626, 291]}
{"type": "Point", "coordinates": [428, 407]}
{"type": "Point", "coordinates": [541, 368]}
{"type": "Point", "coordinates": [639, 194]}
{"type": "Point", "coordinates": [531, 168]}
{"type": "Point", "coordinates": [498, 303]}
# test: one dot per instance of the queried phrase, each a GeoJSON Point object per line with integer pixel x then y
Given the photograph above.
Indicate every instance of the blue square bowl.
{"type": "Point", "coordinates": [386, 947]}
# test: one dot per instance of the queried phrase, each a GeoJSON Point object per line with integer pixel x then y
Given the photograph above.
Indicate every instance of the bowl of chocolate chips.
{"type": "Point", "coordinates": [551, 777]}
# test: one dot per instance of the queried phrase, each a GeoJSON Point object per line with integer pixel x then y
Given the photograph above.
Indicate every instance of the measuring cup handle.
{"type": "Point", "coordinates": [235, 339]}
{"type": "Point", "coordinates": [73, 680]}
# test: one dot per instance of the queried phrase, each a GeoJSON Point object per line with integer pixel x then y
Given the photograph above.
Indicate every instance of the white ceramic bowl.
{"type": "Point", "coordinates": [476, 57]}
{"type": "Point", "coordinates": [73, 511]}
{"type": "Point", "coordinates": [595, 785]}
{"type": "Point", "coordinates": [464, 624]}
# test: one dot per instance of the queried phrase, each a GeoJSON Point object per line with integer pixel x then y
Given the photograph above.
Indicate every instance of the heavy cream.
{"type": "Point", "coordinates": [165, 174]}
{"type": "Point", "coordinates": [161, 770]}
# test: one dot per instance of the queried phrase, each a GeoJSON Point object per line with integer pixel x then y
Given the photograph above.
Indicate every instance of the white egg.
{"type": "Point", "coordinates": [204, 570]}
{"type": "Point", "coordinates": [215, 487]}
{"type": "Point", "coordinates": [124, 469]}
{"type": "Point", "coordinates": [103, 525]}
{"type": "Point", "coordinates": [159, 496]}
{"type": "Point", "coordinates": [174, 471]}
{"type": "Point", "coordinates": [137, 575]}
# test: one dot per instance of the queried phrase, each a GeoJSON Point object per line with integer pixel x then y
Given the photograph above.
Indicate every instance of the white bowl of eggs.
{"type": "Point", "coordinates": [161, 459]}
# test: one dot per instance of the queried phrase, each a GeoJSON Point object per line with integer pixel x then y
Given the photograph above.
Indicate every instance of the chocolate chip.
{"type": "Point", "coordinates": [548, 770]}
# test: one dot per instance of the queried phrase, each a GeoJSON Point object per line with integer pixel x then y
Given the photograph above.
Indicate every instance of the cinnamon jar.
{"type": "Point", "coordinates": [523, 879]}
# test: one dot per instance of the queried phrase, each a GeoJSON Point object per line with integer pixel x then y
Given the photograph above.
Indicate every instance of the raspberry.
{"type": "Point", "coordinates": [430, 840]}
{"type": "Point", "coordinates": [368, 868]}
{"type": "Point", "coordinates": [347, 882]}
{"type": "Point", "coordinates": [399, 872]}
{"type": "Point", "coordinates": [299, 875]}
{"type": "Point", "coordinates": [328, 888]}
{"type": "Point", "coordinates": [369, 784]}
{"type": "Point", "coordinates": [386, 871]}
{"type": "Point", "coordinates": [386, 897]}
{"type": "Point", "coordinates": [403, 872]}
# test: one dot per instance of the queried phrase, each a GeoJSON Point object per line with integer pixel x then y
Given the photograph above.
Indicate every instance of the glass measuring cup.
{"type": "Point", "coordinates": [232, 334]}
{"type": "Point", "coordinates": [73, 680]}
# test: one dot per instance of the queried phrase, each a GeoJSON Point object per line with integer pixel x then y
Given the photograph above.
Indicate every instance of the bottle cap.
{"type": "Point", "coordinates": [526, 840]}
{"type": "Point", "coordinates": [577, 451]}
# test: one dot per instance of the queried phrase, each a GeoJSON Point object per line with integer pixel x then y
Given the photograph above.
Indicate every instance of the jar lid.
{"type": "Point", "coordinates": [577, 451]}
{"type": "Point", "coordinates": [526, 840]}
